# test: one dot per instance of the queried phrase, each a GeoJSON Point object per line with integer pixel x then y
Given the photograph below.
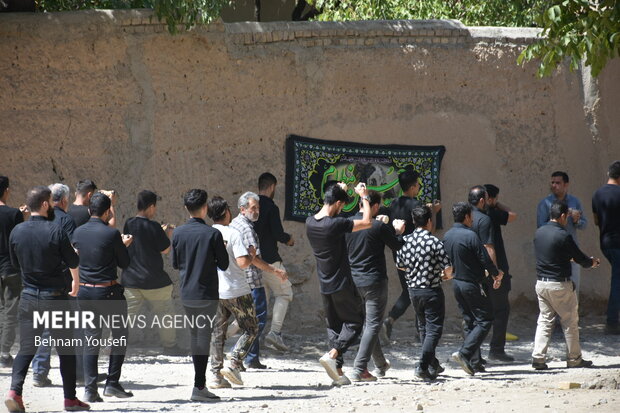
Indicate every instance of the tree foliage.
{"type": "Point", "coordinates": [469, 12]}
{"type": "Point", "coordinates": [175, 12]}
{"type": "Point", "coordinates": [577, 30]}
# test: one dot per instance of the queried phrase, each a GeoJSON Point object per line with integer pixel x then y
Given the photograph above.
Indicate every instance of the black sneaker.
{"type": "Point", "coordinates": [435, 369]}
{"type": "Point", "coordinates": [255, 364]}
{"type": "Point", "coordinates": [581, 363]}
{"type": "Point", "coordinates": [539, 365]}
{"type": "Point", "coordinates": [6, 361]}
{"type": "Point", "coordinates": [501, 357]}
{"type": "Point", "coordinates": [423, 374]}
{"type": "Point", "coordinates": [92, 397]}
{"type": "Point", "coordinates": [479, 368]}
{"type": "Point", "coordinates": [463, 362]}
{"type": "Point", "coordinates": [116, 390]}
{"type": "Point", "coordinates": [39, 380]}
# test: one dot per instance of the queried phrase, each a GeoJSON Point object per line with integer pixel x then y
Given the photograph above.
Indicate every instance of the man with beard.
{"type": "Point", "coordinates": [249, 209]}
{"type": "Point", "coordinates": [344, 309]}
{"type": "Point", "coordinates": [40, 249]}
{"type": "Point", "coordinates": [102, 249]}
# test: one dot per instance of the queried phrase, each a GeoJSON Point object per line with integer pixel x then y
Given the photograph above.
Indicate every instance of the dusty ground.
{"type": "Point", "coordinates": [296, 382]}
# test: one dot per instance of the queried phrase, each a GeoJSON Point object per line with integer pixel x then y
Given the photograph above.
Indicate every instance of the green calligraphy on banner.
{"type": "Point", "coordinates": [313, 163]}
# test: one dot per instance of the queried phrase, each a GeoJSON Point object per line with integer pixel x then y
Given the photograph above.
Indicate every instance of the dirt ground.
{"type": "Point", "coordinates": [295, 382]}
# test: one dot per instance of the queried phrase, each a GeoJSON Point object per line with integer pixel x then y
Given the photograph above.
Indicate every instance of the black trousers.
{"type": "Point", "coordinates": [203, 321]}
{"type": "Point", "coordinates": [42, 301]}
{"type": "Point", "coordinates": [107, 303]}
{"type": "Point", "coordinates": [501, 312]}
{"type": "Point", "coordinates": [475, 305]}
{"type": "Point", "coordinates": [11, 287]}
{"type": "Point", "coordinates": [344, 315]}
{"type": "Point", "coordinates": [430, 308]}
{"type": "Point", "coordinates": [403, 301]}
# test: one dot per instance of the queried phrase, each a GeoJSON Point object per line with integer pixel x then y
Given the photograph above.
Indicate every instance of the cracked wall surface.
{"type": "Point", "coordinates": [113, 97]}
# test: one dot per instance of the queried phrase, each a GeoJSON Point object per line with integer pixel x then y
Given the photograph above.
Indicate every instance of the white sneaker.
{"type": "Point", "coordinates": [380, 371]}
{"type": "Point", "coordinates": [341, 381]}
{"type": "Point", "coordinates": [274, 341]}
{"type": "Point", "coordinates": [203, 395]}
{"type": "Point", "coordinates": [218, 383]}
{"type": "Point", "coordinates": [330, 366]}
{"type": "Point", "coordinates": [232, 374]}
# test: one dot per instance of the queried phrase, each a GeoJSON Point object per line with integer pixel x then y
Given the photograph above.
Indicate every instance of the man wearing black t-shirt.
{"type": "Point", "coordinates": [606, 208]}
{"type": "Point", "coordinates": [401, 208]}
{"type": "Point", "coordinates": [145, 278]}
{"type": "Point", "coordinates": [84, 190]}
{"type": "Point", "coordinates": [500, 214]}
{"type": "Point", "coordinates": [102, 249]}
{"type": "Point", "coordinates": [344, 312]}
{"type": "Point", "coordinates": [10, 281]}
{"type": "Point", "coordinates": [198, 250]}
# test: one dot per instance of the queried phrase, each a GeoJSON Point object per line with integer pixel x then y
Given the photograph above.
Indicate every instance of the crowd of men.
{"type": "Point", "coordinates": [56, 256]}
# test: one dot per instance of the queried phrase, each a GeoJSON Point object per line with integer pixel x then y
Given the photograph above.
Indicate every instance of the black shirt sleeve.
{"type": "Point", "coordinates": [221, 256]}
{"type": "Point", "coordinates": [163, 241]}
{"type": "Point", "coordinates": [388, 235]}
{"type": "Point", "coordinates": [485, 230]}
{"type": "Point", "coordinates": [276, 226]}
{"type": "Point", "coordinates": [67, 252]}
{"type": "Point", "coordinates": [485, 259]}
{"type": "Point", "coordinates": [576, 254]}
{"type": "Point", "coordinates": [120, 251]}
{"type": "Point", "coordinates": [12, 254]}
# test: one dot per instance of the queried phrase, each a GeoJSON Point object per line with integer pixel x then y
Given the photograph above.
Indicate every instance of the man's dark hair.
{"type": "Point", "coordinates": [460, 211]}
{"type": "Point", "coordinates": [334, 194]}
{"type": "Point", "coordinates": [85, 186]}
{"type": "Point", "coordinates": [328, 184]}
{"type": "Point", "coordinates": [613, 171]}
{"type": "Point", "coordinates": [146, 199]}
{"type": "Point", "coordinates": [4, 185]}
{"type": "Point", "coordinates": [475, 194]}
{"type": "Point", "coordinates": [564, 175]}
{"type": "Point", "coordinates": [265, 180]}
{"type": "Point", "coordinates": [492, 190]}
{"type": "Point", "coordinates": [407, 179]}
{"type": "Point", "coordinates": [375, 198]}
{"type": "Point", "coordinates": [217, 208]}
{"type": "Point", "coordinates": [99, 204]}
{"type": "Point", "coordinates": [195, 199]}
{"type": "Point", "coordinates": [557, 209]}
{"type": "Point", "coordinates": [421, 215]}
{"type": "Point", "coordinates": [36, 196]}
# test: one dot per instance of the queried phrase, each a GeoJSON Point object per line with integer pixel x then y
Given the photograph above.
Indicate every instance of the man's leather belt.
{"type": "Point", "coordinates": [108, 284]}
{"type": "Point", "coordinates": [557, 280]}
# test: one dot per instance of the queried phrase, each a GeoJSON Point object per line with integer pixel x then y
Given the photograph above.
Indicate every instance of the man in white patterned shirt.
{"type": "Point", "coordinates": [426, 263]}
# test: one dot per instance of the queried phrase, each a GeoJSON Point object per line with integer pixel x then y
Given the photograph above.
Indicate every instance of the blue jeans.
{"type": "Point", "coordinates": [613, 305]}
{"type": "Point", "coordinates": [260, 303]}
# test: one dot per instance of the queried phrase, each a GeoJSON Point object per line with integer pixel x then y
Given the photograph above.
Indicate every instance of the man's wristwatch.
{"type": "Point", "coordinates": [366, 198]}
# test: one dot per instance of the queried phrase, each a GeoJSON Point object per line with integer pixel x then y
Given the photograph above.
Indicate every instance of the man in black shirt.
{"type": "Point", "coordinates": [401, 208]}
{"type": "Point", "coordinates": [500, 215]}
{"type": "Point", "coordinates": [84, 190]}
{"type": "Point", "coordinates": [198, 250]}
{"type": "Point", "coordinates": [270, 232]}
{"type": "Point", "coordinates": [10, 283]}
{"type": "Point", "coordinates": [145, 279]}
{"type": "Point", "coordinates": [41, 361]}
{"type": "Point", "coordinates": [367, 259]}
{"type": "Point", "coordinates": [470, 260]}
{"type": "Point", "coordinates": [102, 249]}
{"type": "Point", "coordinates": [41, 250]}
{"type": "Point", "coordinates": [606, 208]}
{"type": "Point", "coordinates": [344, 312]}
{"type": "Point", "coordinates": [555, 248]}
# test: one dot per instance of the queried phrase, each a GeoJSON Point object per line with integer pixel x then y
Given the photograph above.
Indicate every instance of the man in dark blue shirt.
{"type": "Point", "coordinates": [555, 248]}
{"type": "Point", "coordinates": [102, 249]}
{"type": "Point", "coordinates": [270, 232]}
{"type": "Point", "coordinates": [606, 208]}
{"type": "Point", "coordinates": [470, 260]}
{"type": "Point", "coordinates": [41, 250]}
{"type": "Point", "coordinates": [198, 250]}
{"type": "Point", "coordinates": [10, 283]}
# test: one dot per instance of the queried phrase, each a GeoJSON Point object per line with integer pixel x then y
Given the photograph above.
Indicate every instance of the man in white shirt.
{"type": "Point", "coordinates": [235, 299]}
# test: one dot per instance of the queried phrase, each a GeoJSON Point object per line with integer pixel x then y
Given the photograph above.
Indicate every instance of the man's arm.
{"type": "Point", "coordinates": [120, 250]}
{"type": "Point", "coordinates": [173, 257]}
{"type": "Point", "coordinates": [366, 221]}
{"type": "Point", "coordinates": [12, 253]}
{"type": "Point", "coordinates": [258, 262]}
{"type": "Point", "coordinates": [275, 225]}
{"type": "Point", "coordinates": [579, 219]}
{"type": "Point", "coordinates": [512, 216]}
{"type": "Point", "coordinates": [221, 256]}
{"type": "Point", "coordinates": [485, 259]}
{"type": "Point", "coordinates": [389, 238]}
{"type": "Point", "coordinates": [577, 255]}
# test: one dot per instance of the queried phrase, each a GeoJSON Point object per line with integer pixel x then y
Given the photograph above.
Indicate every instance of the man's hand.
{"type": "Point", "coordinates": [383, 218]}
{"type": "Point", "coordinates": [361, 190]}
{"type": "Point", "coordinates": [497, 280]}
{"type": "Point", "coordinates": [596, 262]}
{"type": "Point", "coordinates": [168, 229]}
{"type": "Point", "coordinates": [291, 242]}
{"type": "Point", "coordinates": [399, 226]}
{"type": "Point", "coordinates": [435, 206]}
{"type": "Point", "coordinates": [281, 274]}
{"type": "Point", "coordinates": [25, 211]}
{"type": "Point", "coordinates": [575, 215]}
{"type": "Point", "coordinates": [127, 239]}
{"type": "Point", "coordinates": [446, 277]}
